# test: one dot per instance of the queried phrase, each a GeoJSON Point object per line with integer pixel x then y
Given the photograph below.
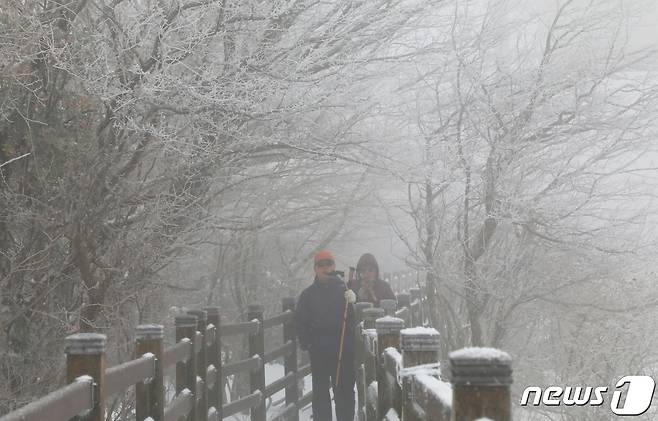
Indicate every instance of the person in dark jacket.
{"type": "Point", "coordinates": [319, 321]}
{"type": "Point", "coordinates": [368, 286]}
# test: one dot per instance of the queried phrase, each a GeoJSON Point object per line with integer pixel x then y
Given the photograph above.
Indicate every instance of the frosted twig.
{"type": "Point", "coordinates": [15, 159]}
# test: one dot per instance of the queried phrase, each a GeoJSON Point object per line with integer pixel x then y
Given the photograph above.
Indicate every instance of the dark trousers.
{"type": "Point", "coordinates": [323, 371]}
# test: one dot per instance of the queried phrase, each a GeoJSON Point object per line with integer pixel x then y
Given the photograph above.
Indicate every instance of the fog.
{"type": "Point", "coordinates": [157, 156]}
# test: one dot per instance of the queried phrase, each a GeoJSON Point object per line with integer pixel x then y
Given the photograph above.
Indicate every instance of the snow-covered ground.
{"type": "Point", "coordinates": [277, 401]}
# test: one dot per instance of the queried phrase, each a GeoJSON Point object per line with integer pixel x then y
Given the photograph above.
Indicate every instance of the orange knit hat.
{"type": "Point", "coordinates": [323, 255]}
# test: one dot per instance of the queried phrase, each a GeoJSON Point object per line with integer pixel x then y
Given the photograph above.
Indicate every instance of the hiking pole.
{"type": "Point", "coordinates": [342, 334]}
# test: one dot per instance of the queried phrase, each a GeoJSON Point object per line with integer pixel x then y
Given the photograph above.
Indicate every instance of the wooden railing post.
{"type": "Point", "coordinates": [186, 371]}
{"type": "Point", "coordinates": [290, 361]}
{"type": "Point", "coordinates": [416, 310]}
{"type": "Point", "coordinates": [257, 347]}
{"type": "Point", "coordinates": [370, 363]}
{"type": "Point", "coordinates": [201, 365]}
{"type": "Point", "coordinates": [358, 310]}
{"type": "Point", "coordinates": [389, 306]}
{"type": "Point", "coordinates": [85, 355]}
{"type": "Point", "coordinates": [370, 315]}
{"type": "Point", "coordinates": [419, 347]}
{"type": "Point", "coordinates": [215, 397]}
{"type": "Point", "coordinates": [388, 335]}
{"type": "Point", "coordinates": [359, 360]}
{"type": "Point", "coordinates": [149, 397]}
{"type": "Point", "coordinates": [481, 379]}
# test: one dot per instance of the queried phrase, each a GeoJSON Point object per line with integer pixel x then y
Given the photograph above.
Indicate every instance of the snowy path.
{"type": "Point", "coordinates": [272, 373]}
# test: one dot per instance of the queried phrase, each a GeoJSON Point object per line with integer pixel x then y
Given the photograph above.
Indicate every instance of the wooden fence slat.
{"type": "Point", "coordinates": [182, 351]}
{"type": "Point", "coordinates": [282, 351]}
{"type": "Point", "coordinates": [249, 401]}
{"type": "Point", "coordinates": [279, 384]}
{"type": "Point", "coordinates": [180, 407]}
{"type": "Point", "coordinates": [249, 364]}
{"type": "Point", "coordinates": [242, 328]}
{"type": "Point", "coordinates": [120, 377]}
{"type": "Point", "coordinates": [60, 405]}
{"type": "Point", "coordinates": [279, 319]}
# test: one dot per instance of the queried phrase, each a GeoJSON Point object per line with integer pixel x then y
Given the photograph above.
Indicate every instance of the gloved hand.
{"type": "Point", "coordinates": [350, 296]}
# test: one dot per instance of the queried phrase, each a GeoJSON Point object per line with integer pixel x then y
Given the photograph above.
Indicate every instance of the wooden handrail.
{"type": "Point", "coordinates": [177, 353]}
{"type": "Point", "coordinates": [279, 319]}
{"type": "Point", "coordinates": [247, 402]}
{"type": "Point", "coordinates": [122, 376]}
{"type": "Point", "coordinates": [60, 405]}
{"type": "Point", "coordinates": [248, 364]}
{"type": "Point", "coordinates": [243, 328]}
{"type": "Point", "coordinates": [384, 377]}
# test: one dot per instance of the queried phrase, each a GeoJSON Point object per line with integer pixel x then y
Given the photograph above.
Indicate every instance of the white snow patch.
{"type": "Point", "coordinates": [441, 390]}
{"type": "Point", "coordinates": [391, 415]}
{"type": "Point", "coordinates": [390, 319]}
{"type": "Point", "coordinates": [433, 369]}
{"type": "Point", "coordinates": [484, 419]}
{"type": "Point", "coordinates": [395, 354]}
{"type": "Point", "coordinates": [371, 333]}
{"type": "Point", "coordinates": [274, 372]}
{"type": "Point", "coordinates": [373, 391]}
{"type": "Point", "coordinates": [419, 330]}
{"type": "Point", "coordinates": [481, 353]}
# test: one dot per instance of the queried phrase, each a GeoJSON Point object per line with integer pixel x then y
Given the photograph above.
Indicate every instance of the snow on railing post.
{"type": "Point", "coordinates": [290, 361]}
{"type": "Point", "coordinates": [201, 364]}
{"type": "Point", "coordinates": [388, 336]}
{"type": "Point", "coordinates": [215, 398]}
{"type": "Point", "coordinates": [257, 347]}
{"type": "Point", "coordinates": [149, 397]}
{"type": "Point", "coordinates": [420, 347]}
{"type": "Point", "coordinates": [389, 306]}
{"type": "Point", "coordinates": [85, 355]}
{"type": "Point", "coordinates": [359, 359]}
{"type": "Point", "coordinates": [481, 379]}
{"type": "Point", "coordinates": [186, 370]}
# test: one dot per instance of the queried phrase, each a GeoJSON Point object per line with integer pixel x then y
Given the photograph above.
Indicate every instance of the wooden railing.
{"type": "Point", "coordinates": [398, 373]}
{"type": "Point", "coordinates": [399, 376]}
{"type": "Point", "coordinates": [199, 374]}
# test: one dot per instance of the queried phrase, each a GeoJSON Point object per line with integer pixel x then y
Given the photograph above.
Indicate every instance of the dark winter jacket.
{"type": "Point", "coordinates": [382, 291]}
{"type": "Point", "coordinates": [319, 317]}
